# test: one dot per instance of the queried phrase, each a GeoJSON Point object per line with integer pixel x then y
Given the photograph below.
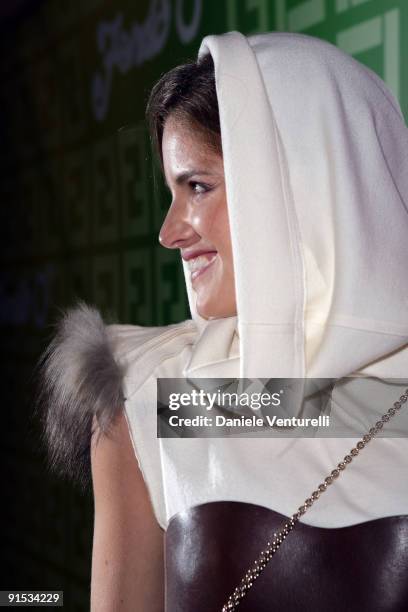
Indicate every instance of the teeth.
{"type": "Point", "coordinates": [199, 262]}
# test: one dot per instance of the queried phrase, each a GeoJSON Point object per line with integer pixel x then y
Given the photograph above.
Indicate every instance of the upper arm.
{"type": "Point", "coordinates": [127, 556]}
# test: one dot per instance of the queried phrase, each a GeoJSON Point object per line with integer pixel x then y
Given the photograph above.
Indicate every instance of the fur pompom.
{"type": "Point", "coordinates": [78, 378]}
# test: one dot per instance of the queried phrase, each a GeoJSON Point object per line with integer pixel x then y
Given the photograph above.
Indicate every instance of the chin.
{"type": "Point", "coordinates": [205, 314]}
{"type": "Point", "coordinates": [213, 311]}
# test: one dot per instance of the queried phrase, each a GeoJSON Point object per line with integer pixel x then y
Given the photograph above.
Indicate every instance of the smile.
{"type": "Point", "coordinates": [198, 265]}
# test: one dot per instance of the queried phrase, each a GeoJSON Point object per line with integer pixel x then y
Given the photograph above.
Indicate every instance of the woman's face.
{"type": "Point", "coordinates": [197, 220]}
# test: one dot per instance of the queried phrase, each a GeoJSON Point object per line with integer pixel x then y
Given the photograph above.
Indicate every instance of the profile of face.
{"type": "Point", "coordinates": [197, 220]}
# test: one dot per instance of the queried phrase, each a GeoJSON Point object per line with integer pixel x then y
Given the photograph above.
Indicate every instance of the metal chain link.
{"type": "Point", "coordinates": [272, 547]}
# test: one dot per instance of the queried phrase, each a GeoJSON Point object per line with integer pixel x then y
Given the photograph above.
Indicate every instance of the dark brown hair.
{"type": "Point", "coordinates": [188, 93]}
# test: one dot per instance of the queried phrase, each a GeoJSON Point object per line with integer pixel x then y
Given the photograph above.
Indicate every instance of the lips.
{"type": "Point", "coordinates": [199, 264]}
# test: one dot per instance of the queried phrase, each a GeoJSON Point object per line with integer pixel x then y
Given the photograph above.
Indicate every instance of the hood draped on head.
{"type": "Point", "coordinates": [315, 152]}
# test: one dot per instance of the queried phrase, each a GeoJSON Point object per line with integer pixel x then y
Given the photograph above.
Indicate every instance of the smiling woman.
{"type": "Point", "coordinates": [184, 121]}
{"type": "Point", "coordinates": [286, 162]}
{"type": "Point", "coordinates": [197, 221]}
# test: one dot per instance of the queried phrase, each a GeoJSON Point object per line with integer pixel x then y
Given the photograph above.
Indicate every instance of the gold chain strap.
{"type": "Point", "coordinates": [272, 547]}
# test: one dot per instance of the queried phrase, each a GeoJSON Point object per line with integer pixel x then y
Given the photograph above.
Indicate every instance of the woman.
{"type": "Point", "coordinates": [289, 207]}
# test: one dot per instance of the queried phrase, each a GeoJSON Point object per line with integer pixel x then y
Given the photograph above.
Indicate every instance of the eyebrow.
{"type": "Point", "coordinates": [184, 176]}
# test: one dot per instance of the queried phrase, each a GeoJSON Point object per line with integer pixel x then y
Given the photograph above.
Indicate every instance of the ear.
{"type": "Point", "coordinates": [78, 378]}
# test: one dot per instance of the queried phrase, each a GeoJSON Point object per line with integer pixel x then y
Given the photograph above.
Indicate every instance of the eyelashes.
{"type": "Point", "coordinates": [199, 188]}
{"type": "Point", "coordinates": [196, 188]}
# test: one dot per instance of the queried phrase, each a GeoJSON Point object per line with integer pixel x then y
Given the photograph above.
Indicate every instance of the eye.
{"type": "Point", "coordinates": [198, 188]}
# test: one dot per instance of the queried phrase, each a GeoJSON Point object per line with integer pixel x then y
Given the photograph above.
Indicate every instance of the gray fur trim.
{"type": "Point", "coordinates": [78, 377]}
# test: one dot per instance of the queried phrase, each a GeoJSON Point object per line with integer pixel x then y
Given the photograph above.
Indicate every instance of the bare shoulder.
{"type": "Point", "coordinates": [127, 557]}
{"type": "Point", "coordinates": [113, 462]}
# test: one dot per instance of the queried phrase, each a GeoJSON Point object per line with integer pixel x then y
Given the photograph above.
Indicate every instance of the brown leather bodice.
{"type": "Point", "coordinates": [360, 568]}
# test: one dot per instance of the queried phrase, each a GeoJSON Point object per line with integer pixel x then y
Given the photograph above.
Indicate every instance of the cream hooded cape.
{"type": "Point", "coordinates": [315, 155]}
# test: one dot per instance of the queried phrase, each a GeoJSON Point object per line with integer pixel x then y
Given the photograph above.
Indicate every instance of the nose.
{"type": "Point", "coordinates": [176, 231]}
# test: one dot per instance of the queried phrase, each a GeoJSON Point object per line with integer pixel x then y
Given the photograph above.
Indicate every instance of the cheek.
{"type": "Point", "coordinates": [205, 218]}
{"type": "Point", "coordinates": [222, 236]}
{"type": "Point", "coordinates": [212, 224]}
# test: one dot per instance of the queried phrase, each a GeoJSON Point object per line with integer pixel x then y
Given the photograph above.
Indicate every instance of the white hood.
{"type": "Point", "coordinates": [316, 166]}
